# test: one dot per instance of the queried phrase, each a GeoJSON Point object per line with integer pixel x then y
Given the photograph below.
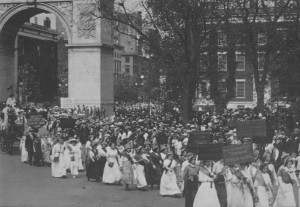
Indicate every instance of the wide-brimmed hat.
{"type": "Point", "coordinates": [73, 140]}
{"type": "Point", "coordinates": [95, 142]}
{"type": "Point", "coordinates": [129, 145]}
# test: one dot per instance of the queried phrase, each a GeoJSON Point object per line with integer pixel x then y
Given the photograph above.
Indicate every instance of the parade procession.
{"type": "Point", "coordinates": [141, 103]}
{"type": "Point", "coordinates": [209, 163]}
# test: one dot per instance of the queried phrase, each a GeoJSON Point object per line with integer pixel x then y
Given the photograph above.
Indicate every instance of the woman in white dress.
{"type": "Point", "coordinates": [286, 179]}
{"type": "Point", "coordinates": [263, 187]}
{"type": "Point", "coordinates": [112, 173]}
{"type": "Point", "coordinates": [67, 155]}
{"type": "Point", "coordinates": [140, 162]}
{"type": "Point", "coordinates": [168, 181]}
{"type": "Point", "coordinates": [239, 186]}
{"type": "Point", "coordinates": [75, 155]}
{"type": "Point", "coordinates": [58, 169]}
{"type": "Point", "coordinates": [24, 153]}
{"type": "Point", "coordinates": [206, 194]}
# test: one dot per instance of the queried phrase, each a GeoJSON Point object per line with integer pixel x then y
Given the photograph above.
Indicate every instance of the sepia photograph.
{"type": "Point", "coordinates": [150, 103]}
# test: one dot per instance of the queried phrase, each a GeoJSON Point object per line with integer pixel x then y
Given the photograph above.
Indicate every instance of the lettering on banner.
{"type": "Point", "coordinates": [236, 154]}
{"type": "Point", "coordinates": [251, 128]}
{"type": "Point", "coordinates": [36, 121]}
{"type": "Point", "coordinates": [66, 103]}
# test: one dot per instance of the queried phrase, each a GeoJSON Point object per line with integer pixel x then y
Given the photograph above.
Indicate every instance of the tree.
{"type": "Point", "coordinates": [261, 21]}
{"type": "Point", "coordinates": [180, 27]}
{"type": "Point", "coordinates": [125, 89]}
{"type": "Point", "coordinates": [29, 85]}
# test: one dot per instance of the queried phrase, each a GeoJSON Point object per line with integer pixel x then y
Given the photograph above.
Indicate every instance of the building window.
{"type": "Point", "coordinates": [261, 39]}
{"type": "Point", "coordinates": [261, 60]}
{"type": "Point", "coordinates": [240, 62]}
{"type": "Point", "coordinates": [240, 88]}
{"type": "Point", "coordinates": [222, 62]}
{"type": "Point", "coordinates": [221, 39]}
{"type": "Point", "coordinates": [127, 68]}
{"type": "Point", "coordinates": [127, 59]}
{"type": "Point", "coordinates": [47, 23]}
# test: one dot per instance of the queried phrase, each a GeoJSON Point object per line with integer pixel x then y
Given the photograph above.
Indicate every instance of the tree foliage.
{"type": "Point", "coordinates": [175, 32]}
{"type": "Point", "coordinates": [125, 89]}
{"type": "Point", "coordinates": [29, 86]}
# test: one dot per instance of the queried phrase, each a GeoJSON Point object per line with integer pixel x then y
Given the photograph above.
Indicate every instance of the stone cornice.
{"type": "Point", "coordinates": [32, 1]}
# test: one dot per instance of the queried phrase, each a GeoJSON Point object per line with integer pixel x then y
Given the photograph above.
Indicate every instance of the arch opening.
{"type": "Point", "coordinates": [29, 50]}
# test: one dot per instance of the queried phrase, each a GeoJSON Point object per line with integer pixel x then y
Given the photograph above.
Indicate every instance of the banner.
{"type": "Point", "coordinates": [210, 151]}
{"type": "Point", "coordinates": [196, 138]}
{"type": "Point", "coordinates": [67, 123]}
{"type": "Point", "coordinates": [251, 128]}
{"type": "Point", "coordinates": [66, 103]}
{"type": "Point", "coordinates": [36, 121]}
{"type": "Point", "coordinates": [237, 153]}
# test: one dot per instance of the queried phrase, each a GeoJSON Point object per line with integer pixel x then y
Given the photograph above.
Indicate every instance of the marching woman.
{"type": "Point", "coordinates": [155, 170]}
{"type": "Point", "coordinates": [168, 181]}
{"type": "Point", "coordinates": [286, 179]}
{"type": "Point", "coordinates": [75, 157]}
{"type": "Point", "coordinates": [263, 186]}
{"type": "Point", "coordinates": [24, 153]}
{"type": "Point", "coordinates": [93, 170]}
{"type": "Point", "coordinates": [58, 169]}
{"type": "Point", "coordinates": [102, 158]}
{"type": "Point", "coordinates": [206, 194]}
{"type": "Point", "coordinates": [127, 166]}
{"type": "Point", "coordinates": [239, 186]}
{"type": "Point", "coordinates": [190, 177]}
{"type": "Point", "coordinates": [112, 173]}
{"type": "Point", "coordinates": [141, 161]}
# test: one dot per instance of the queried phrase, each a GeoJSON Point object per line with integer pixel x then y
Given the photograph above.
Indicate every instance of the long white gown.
{"type": "Point", "coordinates": [58, 168]}
{"type": "Point", "coordinates": [264, 196]}
{"type": "Point", "coordinates": [74, 165]}
{"type": "Point", "coordinates": [206, 194]}
{"type": "Point", "coordinates": [111, 174]}
{"type": "Point", "coordinates": [168, 181]}
{"type": "Point", "coordinates": [238, 189]}
{"type": "Point", "coordinates": [285, 196]}
{"type": "Point", "coordinates": [24, 153]}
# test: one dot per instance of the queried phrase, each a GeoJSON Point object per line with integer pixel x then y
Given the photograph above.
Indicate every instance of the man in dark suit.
{"type": "Point", "coordinates": [29, 144]}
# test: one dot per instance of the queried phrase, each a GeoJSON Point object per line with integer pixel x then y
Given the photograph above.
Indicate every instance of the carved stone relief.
{"type": "Point", "coordinates": [86, 26]}
{"type": "Point", "coordinates": [5, 7]}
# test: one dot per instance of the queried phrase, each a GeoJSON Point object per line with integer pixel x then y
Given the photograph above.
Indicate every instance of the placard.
{"type": "Point", "coordinates": [67, 123]}
{"type": "Point", "coordinates": [36, 121]}
{"type": "Point", "coordinates": [251, 128]}
{"type": "Point", "coordinates": [211, 151]}
{"type": "Point", "coordinates": [237, 153]}
{"type": "Point", "coordinates": [66, 103]}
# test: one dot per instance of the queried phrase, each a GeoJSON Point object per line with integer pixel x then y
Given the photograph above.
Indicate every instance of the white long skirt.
{"type": "Point", "coordinates": [285, 196]}
{"type": "Point", "coordinates": [168, 184]}
{"type": "Point", "coordinates": [111, 174]}
{"type": "Point", "coordinates": [206, 196]}
{"type": "Point", "coordinates": [74, 167]}
{"type": "Point", "coordinates": [140, 176]}
{"type": "Point", "coordinates": [24, 153]}
{"type": "Point", "coordinates": [263, 197]}
{"type": "Point", "coordinates": [239, 191]}
{"type": "Point", "coordinates": [58, 168]}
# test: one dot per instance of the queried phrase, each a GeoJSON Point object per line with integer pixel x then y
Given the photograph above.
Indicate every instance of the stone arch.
{"type": "Point", "coordinates": [36, 9]}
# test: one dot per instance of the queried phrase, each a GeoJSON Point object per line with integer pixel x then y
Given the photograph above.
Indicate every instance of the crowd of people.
{"type": "Point", "coordinates": [142, 150]}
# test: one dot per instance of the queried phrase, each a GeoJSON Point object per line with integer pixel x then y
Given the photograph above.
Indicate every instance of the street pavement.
{"type": "Point", "coordinates": [22, 185]}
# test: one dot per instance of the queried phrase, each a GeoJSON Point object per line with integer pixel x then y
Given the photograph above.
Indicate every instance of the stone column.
{"type": "Point", "coordinates": [90, 58]}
